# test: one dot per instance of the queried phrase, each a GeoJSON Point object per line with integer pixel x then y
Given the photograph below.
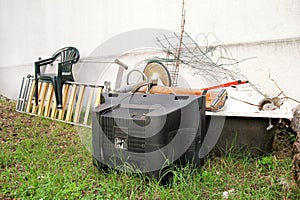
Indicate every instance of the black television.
{"type": "Point", "coordinates": [148, 133]}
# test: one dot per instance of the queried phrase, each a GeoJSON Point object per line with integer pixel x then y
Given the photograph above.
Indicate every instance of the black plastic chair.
{"type": "Point", "coordinates": [67, 57]}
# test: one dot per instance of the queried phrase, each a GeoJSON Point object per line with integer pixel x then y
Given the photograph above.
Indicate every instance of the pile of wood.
{"type": "Point", "coordinates": [78, 99]}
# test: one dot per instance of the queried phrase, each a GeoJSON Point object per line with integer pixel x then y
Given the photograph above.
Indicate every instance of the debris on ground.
{"type": "Point", "coordinates": [227, 193]}
{"type": "Point", "coordinates": [2, 97]}
{"type": "Point", "coordinates": [295, 125]}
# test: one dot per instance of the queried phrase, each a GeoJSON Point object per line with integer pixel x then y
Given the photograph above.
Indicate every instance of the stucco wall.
{"type": "Point", "coordinates": [29, 29]}
{"type": "Point", "coordinates": [277, 59]}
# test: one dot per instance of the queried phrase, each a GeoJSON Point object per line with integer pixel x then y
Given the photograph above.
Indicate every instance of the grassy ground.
{"type": "Point", "coordinates": [43, 159]}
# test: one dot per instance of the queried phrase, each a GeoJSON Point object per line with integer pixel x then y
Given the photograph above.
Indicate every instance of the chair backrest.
{"type": "Point", "coordinates": [67, 54]}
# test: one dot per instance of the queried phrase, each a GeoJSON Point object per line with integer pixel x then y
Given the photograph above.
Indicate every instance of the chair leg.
{"type": "Point", "coordinates": [36, 97]}
{"type": "Point", "coordinates": [58, 92]}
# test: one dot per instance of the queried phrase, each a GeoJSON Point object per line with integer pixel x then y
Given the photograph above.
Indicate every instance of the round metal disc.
{"type": "Point", "coordinates": [157, 71]}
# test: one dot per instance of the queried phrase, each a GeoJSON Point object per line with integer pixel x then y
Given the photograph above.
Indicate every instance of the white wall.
{"type": "Point", "coordinates": [279, 59]}
{"type": "Point", "coordinates": [33, 28]}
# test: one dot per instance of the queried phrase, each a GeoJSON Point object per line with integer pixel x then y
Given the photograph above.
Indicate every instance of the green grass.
{"type": "Point", "coordinates": [44, 159]}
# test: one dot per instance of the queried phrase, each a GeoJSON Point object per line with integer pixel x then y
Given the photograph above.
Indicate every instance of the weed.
{"type": "Point", "coordinates": [268, 161]}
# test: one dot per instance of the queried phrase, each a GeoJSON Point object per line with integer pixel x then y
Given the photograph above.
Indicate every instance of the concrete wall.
{"type": "Point", "coordinates": [275, 59]}
{"type": "Point", "coordinates": [29, 29]}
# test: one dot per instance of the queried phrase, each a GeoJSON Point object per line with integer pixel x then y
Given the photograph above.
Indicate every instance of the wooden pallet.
{"type": "Point", "coordinates": [78, 100]}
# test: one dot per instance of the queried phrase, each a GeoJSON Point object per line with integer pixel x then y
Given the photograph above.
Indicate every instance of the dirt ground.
{"type": "Point", "coordinates": [8, 115]}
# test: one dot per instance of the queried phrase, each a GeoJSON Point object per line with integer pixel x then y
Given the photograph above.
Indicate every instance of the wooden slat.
{"type": "Point", "coordinates": [30, 98]}
{"type": "Point", "coordinates": [98, 97]}
{"type": "Point", "coordinates": [44, 91]}
{"type": "Point", "coordinates": [74, 100]}
{"type": "Point", "coordinates": [79, 104]}
{"type": "Point", "coordinates": [49, 101]}
{"type": "Point", "coordinates": [88, 106]}
{"type": "Point", "coordinates": [71, 103]}
{"type": "Point", "coordinates": [61, 112]}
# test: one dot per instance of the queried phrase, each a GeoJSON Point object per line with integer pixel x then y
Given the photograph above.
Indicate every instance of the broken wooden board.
{"type": "Point", "coordinates": [78, 99]}
{"type": "Point", "coordinates": [215, 100]}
